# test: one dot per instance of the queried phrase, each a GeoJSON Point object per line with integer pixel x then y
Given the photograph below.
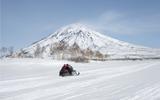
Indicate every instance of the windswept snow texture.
{"type": "Point", "coordinates": [35, 79]}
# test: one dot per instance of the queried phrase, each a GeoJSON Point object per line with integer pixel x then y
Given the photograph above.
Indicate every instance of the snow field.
{"type": "Point", "coordinates": [37, 79]}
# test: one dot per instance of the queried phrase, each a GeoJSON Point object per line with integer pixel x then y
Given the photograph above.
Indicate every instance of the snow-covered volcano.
{"type": "Point", "coordinates": [77, 40]}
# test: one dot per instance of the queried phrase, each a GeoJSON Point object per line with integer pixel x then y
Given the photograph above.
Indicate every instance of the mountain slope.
{"type": "Point", "coordinates": [78, 40]}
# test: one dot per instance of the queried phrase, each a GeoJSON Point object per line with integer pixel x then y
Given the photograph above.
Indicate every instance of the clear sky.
{"type": "Point", "coordinates": [26, 21]}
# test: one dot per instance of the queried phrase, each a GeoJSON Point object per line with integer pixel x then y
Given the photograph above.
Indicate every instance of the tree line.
{"type": "Point", "coordinates": [6, 51]}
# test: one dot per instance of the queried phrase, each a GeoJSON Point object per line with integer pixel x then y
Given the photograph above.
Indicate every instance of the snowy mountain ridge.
{"type": "Point", "coordinates": [78, 40]}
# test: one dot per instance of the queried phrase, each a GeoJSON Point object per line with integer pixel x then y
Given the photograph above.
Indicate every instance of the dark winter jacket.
{"type": "Point", "coordinates": [66, 70]}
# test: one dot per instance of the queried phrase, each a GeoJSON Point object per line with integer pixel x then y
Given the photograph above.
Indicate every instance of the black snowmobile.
{"type": "Point", "coordinates": [67, 70]}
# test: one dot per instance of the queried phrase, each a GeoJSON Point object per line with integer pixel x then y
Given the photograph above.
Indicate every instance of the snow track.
{"type": "Point", "coordinates": [35, 79]}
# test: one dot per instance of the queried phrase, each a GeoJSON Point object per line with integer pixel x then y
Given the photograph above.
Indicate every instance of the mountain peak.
{"type": "Point", "coordinates": [76, 27]}
{"type": "Point", "coordinates": [64, 41]}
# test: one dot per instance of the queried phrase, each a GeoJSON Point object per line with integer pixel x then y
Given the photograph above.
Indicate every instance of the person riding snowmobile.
{"type": "Point", "coordinates": [67, 70]}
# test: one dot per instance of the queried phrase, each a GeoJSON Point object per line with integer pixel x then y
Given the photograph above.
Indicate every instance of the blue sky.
{"type": "Point", "coordinates": [26, 21]}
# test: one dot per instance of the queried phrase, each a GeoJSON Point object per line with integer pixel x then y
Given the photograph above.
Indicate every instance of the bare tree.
{"type": "Point", "coordinates": [99, 55]}
{"type": "Point", "coordinates": [3, 51]}
{"type": "Point", "coordinates": [38, 51]}
{"type": "Point", "coordinates": [52, 49]}
{"type": "Point", "coordinates": [6, 51]}
{"type": "Point", "coordinates": [88, 53]}
{"type": "Point", "coordinates": [11, 50]}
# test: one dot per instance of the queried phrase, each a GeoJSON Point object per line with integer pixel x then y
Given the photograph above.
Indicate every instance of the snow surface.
{"type": "Point", "coordinates": [37, 79]}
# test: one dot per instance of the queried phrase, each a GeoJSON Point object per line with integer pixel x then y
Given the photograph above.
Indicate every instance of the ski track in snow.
{"type": "Point", "coordinates": [36, 79]}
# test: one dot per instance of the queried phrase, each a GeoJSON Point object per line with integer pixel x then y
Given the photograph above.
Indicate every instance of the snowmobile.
{"type": "Point", "coordinates": [67, 70]}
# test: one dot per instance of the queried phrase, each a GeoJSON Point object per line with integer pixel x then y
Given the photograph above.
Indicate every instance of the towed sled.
{"type": "Point", "coordinates": [67, 70]}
